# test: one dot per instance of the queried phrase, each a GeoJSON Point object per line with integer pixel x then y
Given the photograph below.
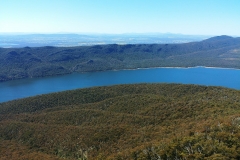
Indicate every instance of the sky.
{"type": "Point", "coordinates": [192, 17]}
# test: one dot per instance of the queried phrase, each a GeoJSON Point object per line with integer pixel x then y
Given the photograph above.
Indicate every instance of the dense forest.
{"type": "Point", "coordinates": [138, 121]}
{"type": "Point", "coordinates": [17, 63]}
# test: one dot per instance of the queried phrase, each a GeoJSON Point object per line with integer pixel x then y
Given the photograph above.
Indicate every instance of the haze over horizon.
{"type": "Point", "coordinates": [198, 17]}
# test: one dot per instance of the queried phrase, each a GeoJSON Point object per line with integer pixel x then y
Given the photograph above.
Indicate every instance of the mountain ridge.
{"type": "Point", "coordinates": [17, 63]}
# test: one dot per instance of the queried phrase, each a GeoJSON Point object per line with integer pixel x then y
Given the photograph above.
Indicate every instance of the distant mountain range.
{"type": "Point", "coordinates": [19, 40]}
{"type": "Point", "coordinates": [17, 63]}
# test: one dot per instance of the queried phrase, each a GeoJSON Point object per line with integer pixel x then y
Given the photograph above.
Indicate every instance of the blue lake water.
{"type": "Point", "coordinates": [16, 89]}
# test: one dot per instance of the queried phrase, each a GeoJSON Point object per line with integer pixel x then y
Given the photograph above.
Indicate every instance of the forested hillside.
{"type": "Point", "coordinates": [141, 121]}
{"type": "Point", "coordinates": [17, 63]}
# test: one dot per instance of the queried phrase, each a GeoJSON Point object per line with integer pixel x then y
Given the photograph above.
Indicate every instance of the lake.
{"type": "Point", "coordinates": [16, 89]}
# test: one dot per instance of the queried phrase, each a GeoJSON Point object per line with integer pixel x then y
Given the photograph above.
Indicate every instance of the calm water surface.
{"type": "Point", "coordinates": [204, 76]}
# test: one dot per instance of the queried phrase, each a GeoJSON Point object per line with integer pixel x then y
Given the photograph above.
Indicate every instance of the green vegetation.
{"type": "Point", "coordinates": [141, 121]}
{"type": "Point", "coordinates": [16, 63]}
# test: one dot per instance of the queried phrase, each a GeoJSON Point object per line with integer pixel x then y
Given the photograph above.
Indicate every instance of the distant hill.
{"type": "Point", "coordinates": [144, 121]}
{"type": "Point", "coordinates": [219, 38]}
{"type": "Point", "coordinates": [17, 63]}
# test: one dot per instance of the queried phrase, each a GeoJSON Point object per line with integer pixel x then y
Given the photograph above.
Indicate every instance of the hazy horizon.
{"type": "Point", "coordinates": [103, 33]}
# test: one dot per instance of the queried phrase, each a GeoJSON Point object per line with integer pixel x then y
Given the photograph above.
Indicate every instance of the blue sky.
{"type": "Point", "coordinates": [196, 17]}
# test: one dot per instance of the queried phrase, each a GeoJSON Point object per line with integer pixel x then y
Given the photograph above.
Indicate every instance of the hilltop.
{"type": "Point", "coordinates": [143, 121]}
{"type": "Point", "coordinates": [17, 63]}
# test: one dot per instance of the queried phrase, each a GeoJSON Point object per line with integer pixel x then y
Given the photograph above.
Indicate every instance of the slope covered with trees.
{"type": "Point", "coordinates": [16, 63]}
{"type": "Point", "coordinates": [142, 121]}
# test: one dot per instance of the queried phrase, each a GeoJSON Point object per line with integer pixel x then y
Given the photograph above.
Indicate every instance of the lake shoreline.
{"type": "Point", "coordinates": [167, 68]}
{"type": "Point", "coordinates": [57, 75]}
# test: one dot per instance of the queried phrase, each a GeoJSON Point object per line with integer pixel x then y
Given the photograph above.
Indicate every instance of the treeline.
{"type": "Point", "coordinates": [17, 63]}
{"type": "Point", "coordinates": [143, 121]}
